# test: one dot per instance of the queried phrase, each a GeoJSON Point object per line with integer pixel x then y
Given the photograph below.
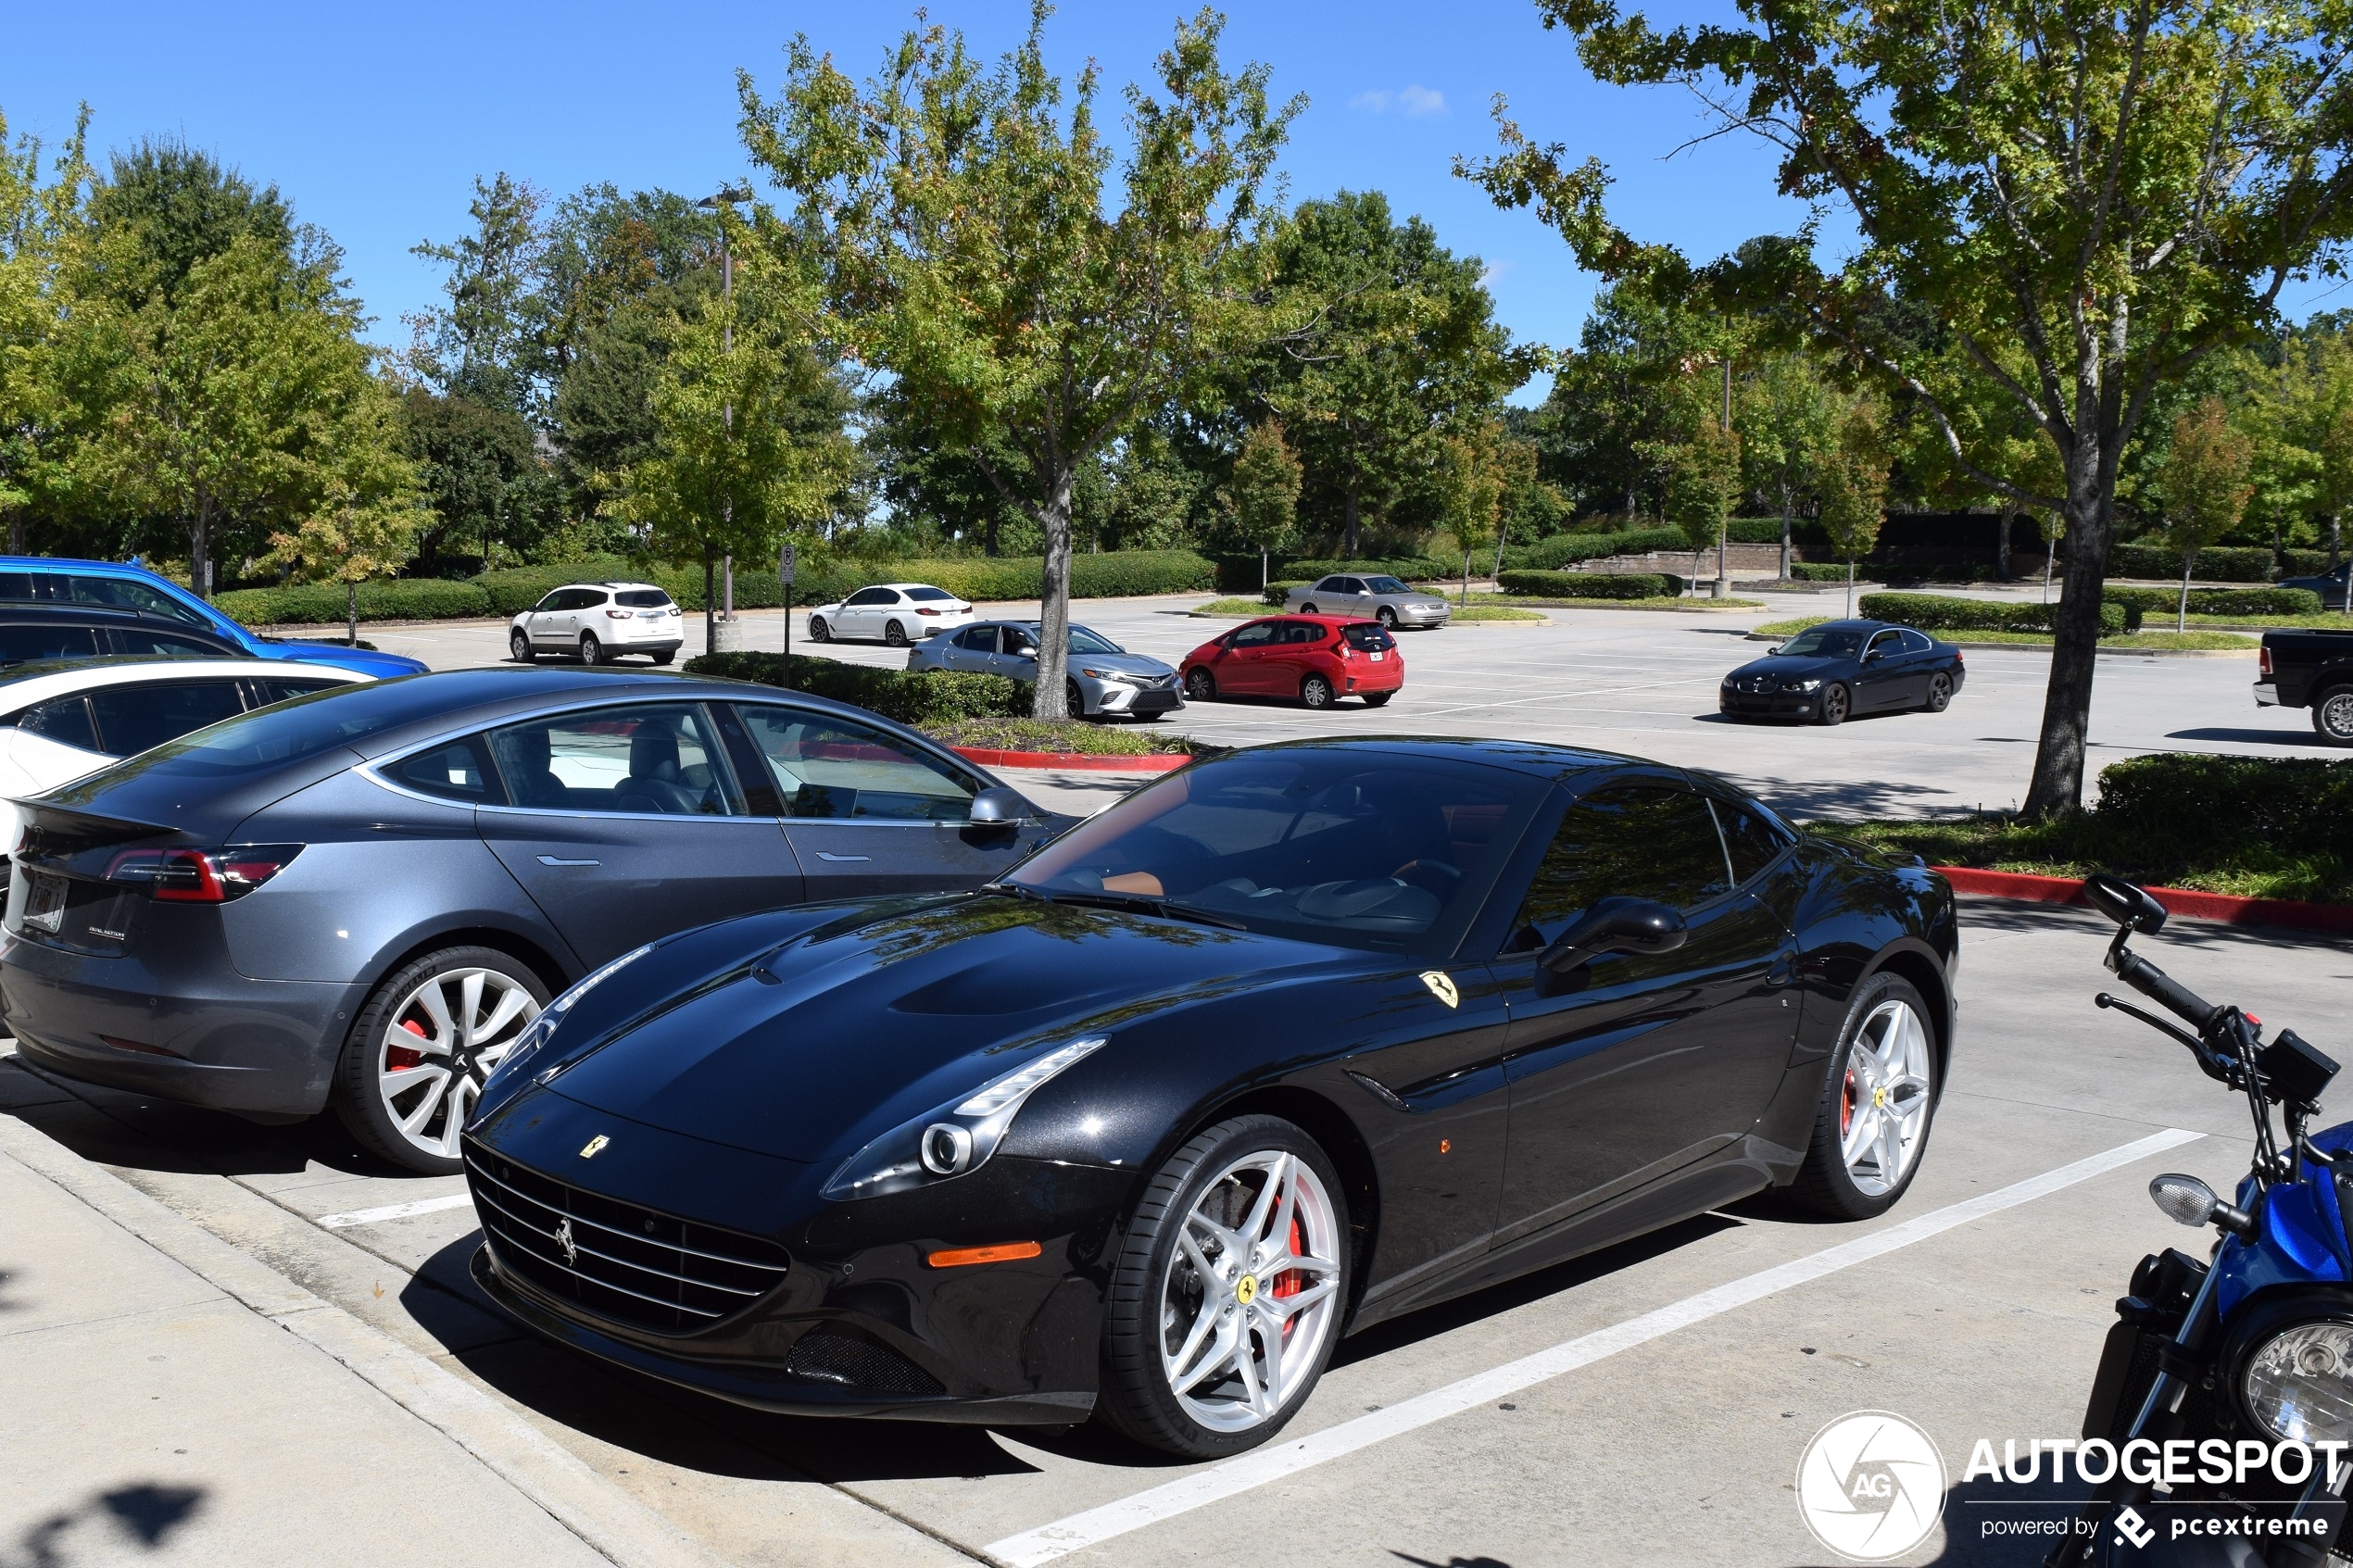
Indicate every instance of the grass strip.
{"type": "Point", "coordinates": [1072, 735]}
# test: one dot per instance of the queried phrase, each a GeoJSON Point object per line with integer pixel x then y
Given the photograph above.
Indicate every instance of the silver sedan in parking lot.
{"type": "Point", "coordinates": [1106, 681]}
{"type": "Point", "coordinates": [1384, 600]}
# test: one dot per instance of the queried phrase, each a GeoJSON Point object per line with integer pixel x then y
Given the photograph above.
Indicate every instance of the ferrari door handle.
{"type": "Point", "coordinates": [838, 858]}
{"type": "Point", "coordinates": [1784, 970]}
{"type": "Point", "coordinates": [552, 860]}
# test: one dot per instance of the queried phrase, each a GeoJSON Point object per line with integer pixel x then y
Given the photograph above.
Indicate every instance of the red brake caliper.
{"type": "Point", "coordinates": [1846, 1105]}
{"type": "Point", "coordinates": [400, 1057]}
{"type": "Point", "coordinates": [1291, 1282]}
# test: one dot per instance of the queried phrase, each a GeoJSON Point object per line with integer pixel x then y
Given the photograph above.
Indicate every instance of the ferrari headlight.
{"type": "Point", "coordinates": [538, 1032]}
{"type": "Point", "coordinates": [2298, 1384]}
{"type": "Point", "coordinates": [953, 1139]}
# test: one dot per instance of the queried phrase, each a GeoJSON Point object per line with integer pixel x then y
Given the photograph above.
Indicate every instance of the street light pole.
{"type": "Point", "coordinates": [727, 196]}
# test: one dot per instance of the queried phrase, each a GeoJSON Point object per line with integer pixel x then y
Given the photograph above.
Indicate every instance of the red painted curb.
{"type": "Point", "coordinates": [1148, 762]}
{"type": "Point", "coordinates": [2222, 907]}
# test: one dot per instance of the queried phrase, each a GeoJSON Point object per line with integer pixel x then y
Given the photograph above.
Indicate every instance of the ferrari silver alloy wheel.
{"type": "Point", "coordinates": [1252, 1292]}
{"type": "Point", "coordinates": [441, 1043]}
{"type": "Point", "coordinates": [1882, 1111]}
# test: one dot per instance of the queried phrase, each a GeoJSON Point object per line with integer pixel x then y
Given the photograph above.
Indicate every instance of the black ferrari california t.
{"type": "Point", "coordinates": [1294, 1041]}
{"type": "Point", "coordinates": [1836, 668]}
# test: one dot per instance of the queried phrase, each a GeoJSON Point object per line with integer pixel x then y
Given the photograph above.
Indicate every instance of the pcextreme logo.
{"type": "Point", "coordinates": [1871, 1485]}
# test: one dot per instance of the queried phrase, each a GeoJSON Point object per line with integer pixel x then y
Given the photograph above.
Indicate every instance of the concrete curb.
{"type": "Point", "coordinates": [615, 1525]}
{"type": "Point", "coordinates": [1082, 762]}
{"type": "Point", "coordinates": [2188, 903]}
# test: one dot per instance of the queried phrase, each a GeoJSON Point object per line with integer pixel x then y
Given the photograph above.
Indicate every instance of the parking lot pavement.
{"type": "Point", "coordinates": [1644, 683]}
{"type": "Point", "coordinates": [1680, 1444]}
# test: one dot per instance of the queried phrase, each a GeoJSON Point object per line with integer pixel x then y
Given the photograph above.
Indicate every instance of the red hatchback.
{"type": "Point", "coordinates": [1316, 659]}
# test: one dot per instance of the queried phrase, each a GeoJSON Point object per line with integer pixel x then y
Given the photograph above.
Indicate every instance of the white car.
{"type": "Point", "coordinates": [61, 721]}
{"type": "Point", "coordinates": [896, 613]}
{"type": "Point", "coordinates": [599, 622]}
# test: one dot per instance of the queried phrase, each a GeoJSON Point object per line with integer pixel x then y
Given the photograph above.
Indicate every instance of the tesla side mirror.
{"type": "Point", "coordinates": [999, 805]}
{"type": "Point", "coordinates": [1615, 925]}
{"type": "Point", "coordinates": [2129, 906]}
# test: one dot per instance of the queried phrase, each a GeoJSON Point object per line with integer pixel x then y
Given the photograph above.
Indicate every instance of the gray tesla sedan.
{"type": "Point", "coordinates": [1105, 680]}
{"type": "Point", "coordinates": [361, 899]}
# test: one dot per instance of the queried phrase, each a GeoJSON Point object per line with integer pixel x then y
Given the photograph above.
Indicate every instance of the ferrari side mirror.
{"type": "Point", "coordinates": [1615, 925]}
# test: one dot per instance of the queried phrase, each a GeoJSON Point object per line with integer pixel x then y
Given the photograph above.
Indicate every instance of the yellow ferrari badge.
{"type": "Point", "coordinates": [1441, 985]}
{"type": "Point", "coordinates": [1246, 1289]}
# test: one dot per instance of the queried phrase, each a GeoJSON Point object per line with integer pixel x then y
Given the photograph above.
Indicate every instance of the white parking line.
{"type": "Point", "coordinates": [392, 1212]}
{"type": "Point", "coordinates": [1241, 1474]}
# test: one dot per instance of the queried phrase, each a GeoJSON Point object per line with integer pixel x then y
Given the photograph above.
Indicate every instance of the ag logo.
{"type": "Point", "coordinates": [1441, 985]}
{"type": "Point", "coordinates": [1871, 1485]}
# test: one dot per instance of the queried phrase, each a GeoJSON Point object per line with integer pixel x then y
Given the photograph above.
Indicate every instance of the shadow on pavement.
{"type": "Point", "coordinates": [1802, 800]}
{"type": "Point", "coordinates": [132, 1132]}
{"type": "Point", "coordinates": [143, 1513]}
{"type": "Point", "coordinates": [2249, 738]}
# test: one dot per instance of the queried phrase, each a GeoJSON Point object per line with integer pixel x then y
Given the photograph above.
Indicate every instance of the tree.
{"type": "Point", "coordinates": [1787, 416]}
{"type": "Point", "coordinates": [1622, 399]}
{"type": "Point", "coordinates": [1852, 480]}
{"type": "Point", "coordinates": [749, 447]}
{"type": "Point", "coordinates": [365, 525]}
{"type": "Point", "coordinates": [2106, 197]}
{"type": "Point", "coordinates": [2207, 486]}
{"type": "Point", "coordinates": [1264, 494]}
{"type": "Point", "coordinates": [488, 344]}
{"type": "Point", "coordinates": [1471, 481]}
{"type": "Point", "coordinates": [37, 222]}
{"type": "Point", "coordinates": [968, 247]}
{"type": "Point", "coordinates": [1702, 485]}
{"type": "Point", "coordinates": [476, 466]}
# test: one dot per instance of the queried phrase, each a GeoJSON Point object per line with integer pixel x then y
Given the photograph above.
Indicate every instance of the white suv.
{"type": "Point", "coordinates": [898, 613]}
{"type": "Point", "coordinates": [599, 622]}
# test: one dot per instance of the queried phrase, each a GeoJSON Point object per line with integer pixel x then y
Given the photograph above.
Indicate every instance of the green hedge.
{"type": "Point", "coordinates": [1277, 593]}
{"type": "Point", "coordinates": [1588, 584]}
{"type": "Point", "coordinates": [933, 698]}
{"type": "Point", "coordinates": [1938, 612]}
{"type": "Point", "coordinates": [1413, 569]}
{"type": "Point", "coordinates": [2157, 602]}
{"type": "Point", "coordinates": [1107, 574]}
{"type": "Point", "coordinates": [2230, 563]}
{"type": "Point", "coordinates": [1551, 555]}
{"type": "Point", "coordinates": [318, 603]}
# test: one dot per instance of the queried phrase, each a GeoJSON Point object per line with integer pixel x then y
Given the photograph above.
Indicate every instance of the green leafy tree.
{"type": "Point", "coordinates": [1264, 494]}
{"type": "Point", "coordinates": [1471, 481]}
{"type": "Point", "coordinates": [2207, 481]}
{"type": "Point", "coordinates": [1623, 399]}
{"type": "Point", "coordinates": [1702, 485]}
{"type": "Point", "coordinates": [366, 520]}
{"type": "Point", "coordinates": [38, 222]}
{"type": "Point", "coordinates": [489, 343]}
{"type": "Point", "coordinates": [2107, 197]}
{"type": "Point", "coordinates": [478, 467]}
{"type": "Point", "coordinates": [970, 248]}
{"type": "Point", "coordinates": [1850, 476]}
{"type": "Point", "coordinates": [1787, 414]}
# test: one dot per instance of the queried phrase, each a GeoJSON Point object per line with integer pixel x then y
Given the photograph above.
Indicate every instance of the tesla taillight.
{"type": "Point", "coordinates": [196, 876]}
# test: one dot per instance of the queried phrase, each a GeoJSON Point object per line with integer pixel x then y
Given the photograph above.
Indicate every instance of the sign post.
{"type": "Point", "coordinates": [787, 560]}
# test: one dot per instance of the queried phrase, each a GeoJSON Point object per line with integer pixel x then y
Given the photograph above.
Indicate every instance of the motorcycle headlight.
{"type": "Point", "coordinates": [953, 1139]}
{"type": "Point", "coordinates": [536, 1033]}
{"type": "Point", "coordinates": [2298, 1384]}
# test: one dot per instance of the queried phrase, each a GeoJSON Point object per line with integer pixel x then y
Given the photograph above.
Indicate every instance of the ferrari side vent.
{"type": "Point", "coordinates": [829, 1354]}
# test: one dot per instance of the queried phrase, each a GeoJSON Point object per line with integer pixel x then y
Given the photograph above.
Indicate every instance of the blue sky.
{"type": "Point", "coordinates": [375, 121]}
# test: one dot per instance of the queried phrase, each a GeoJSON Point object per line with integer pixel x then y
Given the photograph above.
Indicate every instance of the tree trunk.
{"type": "Point", "coordinates": [2182, 614]}
{"type": "Point", "coordinates": [1466, 577]}
{"type": "Point", "coordinates": [988, 534]}
{"type": "Point", "coordinates": [351, 614]}
{"type": "Point", "coordinates": [1723, 555]}
{"type": "Point", "coordinates": [1261, 569]}
{"type": "Point", "coordinates": [1053, 591]}
{"type": "Point", "coordinates": [2336, 526]}
{"type": "Point", "coordinates": [2050, 554]}
{"type": "Point", "coordinates": [710, 612]}
{"type": "Point", "coordinates": [1785, 533]}
{"type": "Point", "coordinates": [2057, 787]}
{"type": "Point", "coordinates": [1349, 532]}
{"type": "Point", "coordinates": [2002, 545]}
{"type": "Point", "coordinates": [1850, 587]}
{"type": "Point", "coordinates": [1695, 554]}
{"type": "Point", "coordinates": [16, 532]}
{"type": "Point", "coordinates": [200, 547]}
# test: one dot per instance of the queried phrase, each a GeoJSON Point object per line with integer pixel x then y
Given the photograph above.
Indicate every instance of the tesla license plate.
{"type": "Point", "coordinates": [45, 905]}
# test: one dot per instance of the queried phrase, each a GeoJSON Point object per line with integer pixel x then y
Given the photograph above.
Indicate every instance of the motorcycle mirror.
{"type": "Point", "coordinates": [1615, 925]}
{"type": "Point", "coordinates": [2185, 1200]}
{"type": "Point", "coordinates": [2121, 901]}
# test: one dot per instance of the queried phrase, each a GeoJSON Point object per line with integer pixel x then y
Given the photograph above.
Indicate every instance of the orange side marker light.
{"type": "Point", "coordinates": [1004, 1251]}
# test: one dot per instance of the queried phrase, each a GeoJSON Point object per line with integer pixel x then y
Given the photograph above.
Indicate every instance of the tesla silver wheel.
{"type": "Point", "coordinates": [1883, 1104]}
{"type": "Point", "coordinates": [439, 1043]}
{"type": "Point", "coordinates": [1252, 1292]}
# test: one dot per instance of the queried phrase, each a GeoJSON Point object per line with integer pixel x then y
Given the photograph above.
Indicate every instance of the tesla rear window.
{"type": "Point", "coordinates": [1357, 848]}
{"type": "Point", "coordinates": [289, 732]}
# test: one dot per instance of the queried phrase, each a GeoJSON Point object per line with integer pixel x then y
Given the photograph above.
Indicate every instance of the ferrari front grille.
{"type": "Point", "coordinates": [619, 1262]}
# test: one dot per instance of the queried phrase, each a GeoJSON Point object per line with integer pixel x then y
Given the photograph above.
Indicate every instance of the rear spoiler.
{"type": "Point", "coordinates": [53, 832]}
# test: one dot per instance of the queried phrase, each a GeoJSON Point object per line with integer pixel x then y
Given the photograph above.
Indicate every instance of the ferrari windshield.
{"type": "Point", "coordinates": [1824, 642]}
{"type": "Point", "coordinates": [1350, 845]}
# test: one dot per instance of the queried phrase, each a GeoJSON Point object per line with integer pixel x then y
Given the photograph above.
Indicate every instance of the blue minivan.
{"type": "Point", "coordinates": [47, 580]}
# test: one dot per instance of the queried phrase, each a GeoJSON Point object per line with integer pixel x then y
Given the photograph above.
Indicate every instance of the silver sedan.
{"type": "Point", "coordinates": [1106, 681]}
{"type": "Point", "coordinates": [1385, 599]}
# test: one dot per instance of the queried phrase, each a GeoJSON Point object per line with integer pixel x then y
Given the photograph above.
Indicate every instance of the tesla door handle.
{"type": "Point", "coordinates": [552, 860]}
{"type": "Point", "coordinates": [838, 858]}
{"type": "Point", "coordinates": [1784, 970]}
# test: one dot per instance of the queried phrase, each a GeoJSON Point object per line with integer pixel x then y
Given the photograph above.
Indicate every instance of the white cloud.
{"type": "Point", "coordinates": [1416, 101]}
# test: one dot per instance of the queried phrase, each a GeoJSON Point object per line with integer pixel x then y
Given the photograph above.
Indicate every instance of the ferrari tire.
{"type": "Point", "coordinates": [1226, 1297]}
{"type": "Point", "coordinates": [1878, 1101]}
{"type": "Point", "coordinates": [1316, 691]}
{"type": "Point", "coordinates": [1837, 703]}
{"type": "Point", "coordinates": [1200, 687]}
{"type": "Point", "coordinates": [519, 647]}
{"type": "Point", "coordinates": [818, 631]}
{"type": "Point", "coordinates": [421, 1050]}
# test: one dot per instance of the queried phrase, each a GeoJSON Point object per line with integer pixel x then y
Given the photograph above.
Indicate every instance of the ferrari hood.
{"type": "Point", "coordinates": [856, 1028]}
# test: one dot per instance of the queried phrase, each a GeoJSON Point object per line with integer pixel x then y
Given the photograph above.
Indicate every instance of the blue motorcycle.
{"type": "Point", "coordinates": [2246, 1356]}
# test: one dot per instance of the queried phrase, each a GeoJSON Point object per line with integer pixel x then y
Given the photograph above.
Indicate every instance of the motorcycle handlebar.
{"type": "Point", "coordinates": [2167, 992]}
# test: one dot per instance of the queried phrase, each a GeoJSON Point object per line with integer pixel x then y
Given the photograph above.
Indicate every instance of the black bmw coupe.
{"type": "Point", "coordinates": [1294, 1041]}
{"type": "Point", "coordinates": [1830, 672]}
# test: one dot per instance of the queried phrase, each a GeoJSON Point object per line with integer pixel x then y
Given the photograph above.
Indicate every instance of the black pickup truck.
{"type": "Point", "coordinates": [2311, 670]}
